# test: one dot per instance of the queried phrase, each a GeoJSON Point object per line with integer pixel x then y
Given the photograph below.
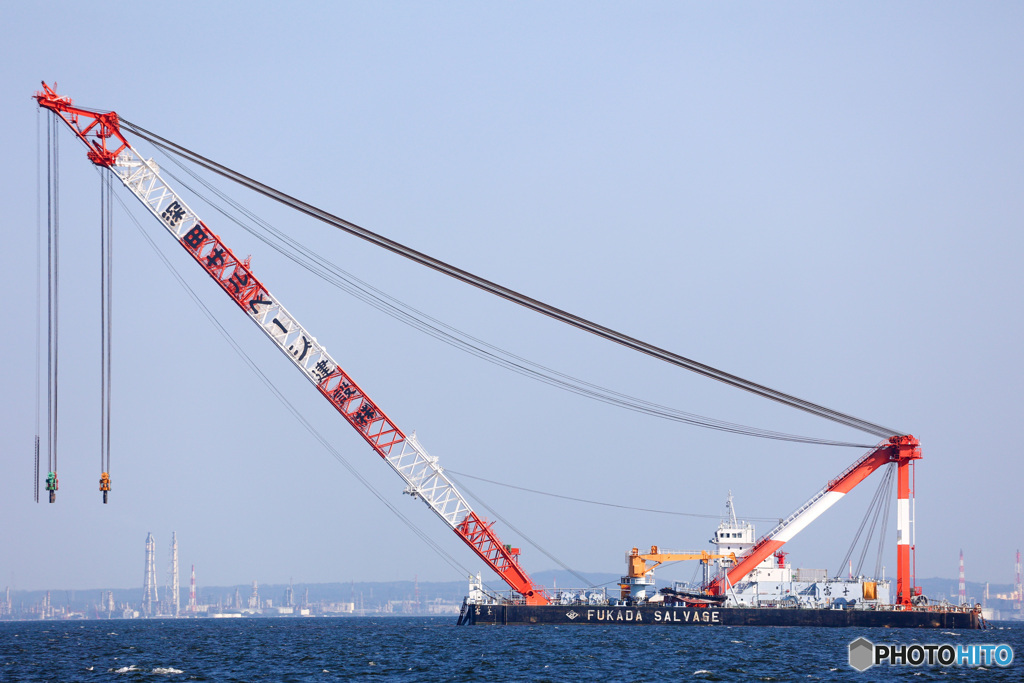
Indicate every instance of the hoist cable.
{"type": "Point", "coordinates": [56, 287]}
{"type": "Point", "coordinates": [324, 441]}
{"type": "Point", "coordinates": [103, 319]}
{"type": "Point", "coordinates": [49, 294]}
{"type": "Point", "coordinates": [110, 315]}
{"type": "Point", "coordinates": [454, 337]}
{"type": "Point", "coordinates": [53, 290]}
{"type": "Point", "coordinates": [39, 287]}
{"type": "Point", "coordinates": [106, 317]}
{"type": "Point", "coordinates": [509, 294]}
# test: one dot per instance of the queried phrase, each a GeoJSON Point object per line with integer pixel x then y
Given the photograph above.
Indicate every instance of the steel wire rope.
{"type": "Point", "coordinates": [885, 527]}
{"type": "Point", "coordinates": [529, 540]}
{"type": "Point", "coordinates": [876, 499]}
{"type": "Point", "coordinates": [597, 502]}
{"type": "Point", "coordinates": [456, 338]}
{"type": "Point", "coordinates": [268, 383]}
{"type": "Point", "coordinates": [103, 317]}
{"type": "Point", "coordinates": [56, 286]}
{"type": "Point", "coordinates": [110, 313]}
{"type": "Point", "coordinates": [49, 294]}
{"type": "Point", "coordinates": [884, 490]}
{"type": "Point", "coordinates": [106, 312]}
{"type": "Point", "coordinates": [53, 291]}
{"type": "Point", "coordinates": [39, 289]}
{"type": "Point", "coordinates": [510, 294]}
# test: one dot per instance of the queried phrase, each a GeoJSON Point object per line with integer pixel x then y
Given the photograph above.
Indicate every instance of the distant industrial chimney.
{"type": "Point", "coordinates": [1018, 588]}
{"type": "Point", "coordinates": [149, 594]}
{"type": "Point", "coordinates": [192, 592]}
{"type": "Point", "coordinates": [963, 584]}
{"type": "Point", "coordinates": [174, 589]}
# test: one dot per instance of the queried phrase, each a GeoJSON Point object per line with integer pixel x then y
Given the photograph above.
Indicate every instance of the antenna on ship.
{"type": "Point", "coordinates": [731, 509]}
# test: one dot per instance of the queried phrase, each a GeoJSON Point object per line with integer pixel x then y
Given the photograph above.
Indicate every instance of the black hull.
{"type": "Point", "coordinates": [714, 616]}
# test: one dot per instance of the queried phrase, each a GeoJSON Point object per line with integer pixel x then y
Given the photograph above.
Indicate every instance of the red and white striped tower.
{"type": "Point", "coordinates": [899, 450]}
{"type": "Point", "coordinates": [1018, 587]}
{"type": "Point", "coordinates": [908, 450]}
{"type": "Point", "coordinates": [192, 592]}
{"type": "Point", "coordinates": [962, 593]}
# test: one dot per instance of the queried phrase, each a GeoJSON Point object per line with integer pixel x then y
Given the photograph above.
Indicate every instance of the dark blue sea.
{"type": "Point", "coordinates": [434, 649]}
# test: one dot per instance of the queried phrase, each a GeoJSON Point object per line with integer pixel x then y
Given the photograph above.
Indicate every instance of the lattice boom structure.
{"type": "Point", "coordinates": [424, 478]}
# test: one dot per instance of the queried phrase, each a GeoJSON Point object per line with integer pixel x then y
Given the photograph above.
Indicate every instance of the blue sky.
{"type": "Point", "coordinates": [821, 198]}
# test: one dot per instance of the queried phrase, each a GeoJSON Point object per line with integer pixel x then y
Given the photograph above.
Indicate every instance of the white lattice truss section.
{"type": "Point", "coordinates": [424, 478]}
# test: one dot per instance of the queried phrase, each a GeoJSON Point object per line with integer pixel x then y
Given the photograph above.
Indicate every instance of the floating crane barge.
{"type": "Point", "coordinates": [752, 584]}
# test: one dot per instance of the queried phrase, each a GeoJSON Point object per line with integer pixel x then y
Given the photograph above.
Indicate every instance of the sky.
{"type": "Point", "coordinates": [821, 198]}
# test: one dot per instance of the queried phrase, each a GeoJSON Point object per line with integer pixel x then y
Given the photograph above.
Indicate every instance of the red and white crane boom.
{"type": "Point", "coordinates": [902, 450]}
{"type": "Point", "coordinates": [424, 478]}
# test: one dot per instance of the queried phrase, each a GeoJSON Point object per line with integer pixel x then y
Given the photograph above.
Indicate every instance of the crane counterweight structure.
{"type": "Point", "coordinates": [424, 478]}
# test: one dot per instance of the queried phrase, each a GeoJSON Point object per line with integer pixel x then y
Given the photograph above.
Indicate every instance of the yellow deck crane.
{"type": "Point", "coordinates": [639, 577]}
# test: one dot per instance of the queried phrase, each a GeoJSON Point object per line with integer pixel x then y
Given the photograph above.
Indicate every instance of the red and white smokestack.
{"type": "Point", "coordinates": [962, 594]}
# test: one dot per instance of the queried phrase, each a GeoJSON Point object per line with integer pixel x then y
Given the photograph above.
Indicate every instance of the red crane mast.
{"type": "Point", "coordinates": [424, 478]}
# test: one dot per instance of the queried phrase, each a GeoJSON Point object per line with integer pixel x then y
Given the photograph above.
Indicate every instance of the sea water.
{"type": "Point", "coordinates": [434, 649]}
